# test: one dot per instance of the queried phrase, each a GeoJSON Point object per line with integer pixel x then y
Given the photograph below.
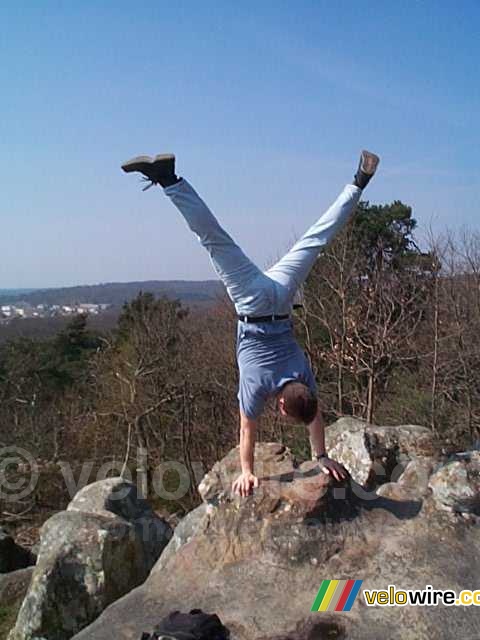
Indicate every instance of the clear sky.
{"type": "Point", "coordinates": [266, 105]}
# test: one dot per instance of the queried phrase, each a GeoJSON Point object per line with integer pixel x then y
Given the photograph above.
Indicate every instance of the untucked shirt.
{"type": "Point", "coordinates": [268, 356]}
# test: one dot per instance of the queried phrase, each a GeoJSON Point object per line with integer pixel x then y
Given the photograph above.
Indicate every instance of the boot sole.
{"type": "Point", "coordinates": [369, 163]}
{"type": "Point", "coordinates": [144, 162]}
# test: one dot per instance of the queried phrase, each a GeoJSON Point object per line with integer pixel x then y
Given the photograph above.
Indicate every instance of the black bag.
{"type": "Point", "coordinates": [195, 625]}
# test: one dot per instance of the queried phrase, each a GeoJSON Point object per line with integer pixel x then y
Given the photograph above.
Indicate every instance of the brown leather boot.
{"type": "Point", "coordinates": [366, 168]}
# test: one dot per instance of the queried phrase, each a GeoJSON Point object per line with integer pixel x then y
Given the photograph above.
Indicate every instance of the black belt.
{"type": "Point", "coordinates": [271, 318]}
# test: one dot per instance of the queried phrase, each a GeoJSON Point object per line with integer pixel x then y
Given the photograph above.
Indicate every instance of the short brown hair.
{"type": "Point", "coordinates": [299, 401]}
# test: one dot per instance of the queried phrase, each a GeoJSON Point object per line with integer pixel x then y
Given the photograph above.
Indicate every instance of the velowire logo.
{"type": "Point", "coordinates": [336, 595]}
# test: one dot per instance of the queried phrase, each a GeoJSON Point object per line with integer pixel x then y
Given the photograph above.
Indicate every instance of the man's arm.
{"type": "Point", "coordinates": [317, 443]}
{"type": "Point", "coordinates": [246, 481]}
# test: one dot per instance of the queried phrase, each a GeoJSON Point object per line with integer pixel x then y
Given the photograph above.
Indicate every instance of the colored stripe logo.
{"type": "Point", "coordinates": [336, 595]}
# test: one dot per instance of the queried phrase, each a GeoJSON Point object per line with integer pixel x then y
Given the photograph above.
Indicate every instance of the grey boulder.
{"type": "Point", "coordinates": [101, 547]}
{"type": "Point", "coordinates": [376, 454]}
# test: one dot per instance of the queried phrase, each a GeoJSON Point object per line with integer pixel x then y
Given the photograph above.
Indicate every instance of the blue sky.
{"type": "Point", "coordinates": [265, 104]}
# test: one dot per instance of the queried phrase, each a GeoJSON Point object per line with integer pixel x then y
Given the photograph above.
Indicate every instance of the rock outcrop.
{"type": "Point", "coordinates": [259, 562]}
{"type": "Point", "coordinates": [456, 484]}
{"type": "Point", "coordinates": [101, 547]}
{"type": "Point", "coordinates": [374, 454]}
{"type": "Point", "coordinates": [14, 585]}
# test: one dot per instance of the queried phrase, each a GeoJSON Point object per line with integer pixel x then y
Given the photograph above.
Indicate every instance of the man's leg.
{"type": "Point", "coordinates": [292, 270]}
{"type": "Point", "coordinates": [234, 268]}
{"type": "Point", "coordinates": [237, 272]}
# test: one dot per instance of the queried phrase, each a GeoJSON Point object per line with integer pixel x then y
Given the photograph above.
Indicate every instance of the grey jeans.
{"type": "Point", "coordinates": [253, 291]}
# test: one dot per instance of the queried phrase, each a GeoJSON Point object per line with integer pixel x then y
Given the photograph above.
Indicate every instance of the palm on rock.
{"type": "Point", "coordinates": [244, 484]}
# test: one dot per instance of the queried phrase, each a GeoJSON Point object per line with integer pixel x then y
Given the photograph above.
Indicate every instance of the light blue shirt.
{"type": "Point", "coordinates": [268, 356]}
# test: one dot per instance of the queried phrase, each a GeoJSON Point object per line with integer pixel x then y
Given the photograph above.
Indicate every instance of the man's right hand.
{"type": "Point", "coordinates": [244, 484]}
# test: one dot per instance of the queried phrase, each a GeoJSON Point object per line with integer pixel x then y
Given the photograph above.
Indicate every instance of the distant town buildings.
{"type": "Point", "coordinates": [9, 312]}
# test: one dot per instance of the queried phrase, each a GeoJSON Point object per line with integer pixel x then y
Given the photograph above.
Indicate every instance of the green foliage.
{"type": "Point", "coordinates": [49, 366]}
{"type": "Point", "coordinates": [367, 296]}
{"type": "Point", "coordinates": [144, 314]}
{"type": "Point", "coordinates": [407, 400]}
{"type": "Point", "coordinates": [383, 234]}
{"type": "Point", "coordinates": [70, 353]}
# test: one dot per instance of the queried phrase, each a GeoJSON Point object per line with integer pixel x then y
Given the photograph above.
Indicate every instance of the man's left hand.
{"type": "Point", "coordinates": [334, 468]}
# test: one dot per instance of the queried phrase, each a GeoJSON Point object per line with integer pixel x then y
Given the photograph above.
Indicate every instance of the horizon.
{"type": "Point", "coordinates": [99, 284]}
{"type": "Point", "coordinates": [16, 291]}
{"type": "Point", "coordinates": [266, 108]}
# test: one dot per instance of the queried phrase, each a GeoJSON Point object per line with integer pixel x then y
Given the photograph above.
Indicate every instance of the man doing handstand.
{"type": "Point", "coordinates": [271, 362]}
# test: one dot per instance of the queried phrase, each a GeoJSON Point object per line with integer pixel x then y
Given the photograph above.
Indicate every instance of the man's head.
{"type": "Point", "coordinates": [297, 402]}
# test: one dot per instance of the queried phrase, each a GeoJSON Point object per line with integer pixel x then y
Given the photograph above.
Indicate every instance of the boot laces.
{"type": "Point", "coordinates": [150, 181]}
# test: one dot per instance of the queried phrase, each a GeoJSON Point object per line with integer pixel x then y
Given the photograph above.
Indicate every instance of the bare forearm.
{"type": "Point", "coordinates": [246, 482]}
{"type": "Point", "coordinates": [247, 444]}
{"type": "Point", "coordinates": [317, 435]}
{"type": "Point", "coordinates": [317, 442]}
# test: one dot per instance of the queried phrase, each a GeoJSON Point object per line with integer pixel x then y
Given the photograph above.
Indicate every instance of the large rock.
{"type": "Point", "coordinates": [12, 555]}
{"type": "Point", "coordinates": [258, 562]}
{"type": "Point", "coordinates": [104, 545]}
{"type": "Point", "coordinates": [456, 484]}
{"type": "Point", "coordinates": [374, 454]}
{"type": "Point", "coordinates": [184, 532]}
{"type": "Point", "coordinates": [413, 482]}
{"type": "Point", "coordinates": [14, 585]}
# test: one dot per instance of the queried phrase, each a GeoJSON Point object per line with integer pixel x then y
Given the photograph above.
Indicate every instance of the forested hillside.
{"type": "Point", "coordinates": [116, 293]}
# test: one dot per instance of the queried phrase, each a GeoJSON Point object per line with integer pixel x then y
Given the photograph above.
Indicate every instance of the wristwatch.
{"type": "Point", "coordinates": [318, 457]}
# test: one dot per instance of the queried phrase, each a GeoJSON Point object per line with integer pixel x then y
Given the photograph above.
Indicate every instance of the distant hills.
{"type": "Point", "coordinates": [14, 292]}
{"type": "Point", "coordinates": [202, 292]}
